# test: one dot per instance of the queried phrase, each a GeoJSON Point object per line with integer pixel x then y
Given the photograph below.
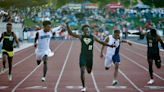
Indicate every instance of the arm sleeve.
{"type": "Point", "coordinates": [137, 33]}
{"type": "Point", "coordinates": [55, 29]}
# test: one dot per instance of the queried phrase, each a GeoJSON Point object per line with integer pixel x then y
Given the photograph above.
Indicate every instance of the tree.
{"type": "Point", "coordinates": [154, 3]}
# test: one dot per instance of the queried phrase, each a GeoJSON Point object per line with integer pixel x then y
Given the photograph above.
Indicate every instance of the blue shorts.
{"type": "Point", "coordinates": [116, 58]}
{"type": "Point", "coordinates": [111, 58]}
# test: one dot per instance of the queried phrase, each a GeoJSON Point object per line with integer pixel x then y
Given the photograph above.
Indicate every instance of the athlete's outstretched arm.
{"type": "Point", "coordinates": [160, 40]}
{"type": "Point", "coordinates": [138, 33]}
{"type": "Point", "coordinates": [101, 42]}
{"type": "Point", "coordinates": [1, 37]}
{"type": "Point", "coordinates": [126, 42]}
{"type": "Point", "coordinates": [36, 38]}
{"type": "Point", "coordinates": [16, 40]}
{"type": "Point", "coordinates": [70, 32]}
{"type": "Point", "coordinates": [57, 28]}
{"type": "Point", "coordinates": [102, 47]}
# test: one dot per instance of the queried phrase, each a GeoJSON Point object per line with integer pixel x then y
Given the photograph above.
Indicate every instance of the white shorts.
{"type": "Point", "coordinates": [108, 60]}
{"type": "Point", "coordinates": [41, 53]}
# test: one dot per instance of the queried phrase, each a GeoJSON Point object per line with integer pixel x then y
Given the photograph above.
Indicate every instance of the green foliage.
{"type": "Point", "coordinates": [101, 3]}
{"type": "Point", "coordinates": [154, 3]}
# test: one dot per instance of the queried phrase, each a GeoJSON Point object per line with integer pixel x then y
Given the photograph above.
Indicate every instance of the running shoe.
{"type": "Point", "coordinates": [114, 82]}
{"type": "Point", "coordinates": [9, 77]}
{"type": "Point", "coordinates": [84, 89]}
{"type": "Point", "coordinates": [151, 81]}
{"type": "Point", "coordinates": [3, 70]}
{"type": "Point", "coordinates": [43, 79]}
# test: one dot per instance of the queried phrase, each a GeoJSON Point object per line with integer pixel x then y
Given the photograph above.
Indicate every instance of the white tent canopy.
{"type": "Point", "coordinates": [141, 5]}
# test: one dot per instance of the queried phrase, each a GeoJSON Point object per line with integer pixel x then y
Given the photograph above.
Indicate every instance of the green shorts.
{"type": "Point", "coordinates": [86, 61]}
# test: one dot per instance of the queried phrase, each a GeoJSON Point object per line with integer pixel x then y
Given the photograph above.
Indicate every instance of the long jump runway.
{"type": "Point", "coordinates": [63, 73]}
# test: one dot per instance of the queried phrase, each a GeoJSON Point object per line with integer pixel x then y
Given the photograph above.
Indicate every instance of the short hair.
{"type": "Point", "coordinates": [9, 24]}
{"type": "Point", "coordinates": [85, 25]}
{"type": "Point", "coordinates": [153, 32]}
{"type": "Point", "coordinates": [116, 31]}
{"type": "Point", "coordinates": [46, 22]}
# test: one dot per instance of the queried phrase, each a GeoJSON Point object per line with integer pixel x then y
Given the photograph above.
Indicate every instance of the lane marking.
{"type": "Point", "coordinates": [137, 53]}
{"type": "Point", "coordinates": [36, 87]}
{"type": "Point", "coordinates": [20, 61]}
{"type": "Point", "coordinates": [74, 87]}
{"type": "Point", "coordinates": [57, 83]}
{"type": "Point", "coordinates": [144, 50]}
{"type": "Point", "coordinates": [94, 82]}
{"type": "Point", "coordinates": [116, 87]}
{"type": "Point", "coordinates": [31, 72]}
{"type": "Point", "coordinates": [3, 87]}
{"type": "Point", "coordinates": [155, 87]}
{"type": "Point", "coordinates": [143, 45]}
{"type": "Point", "coordinates": [141, 66]}
{"type": "Point", "coordinates": [123, 74]}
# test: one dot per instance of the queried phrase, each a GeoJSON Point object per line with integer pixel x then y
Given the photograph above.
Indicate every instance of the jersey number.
{"type": "Point", "coordinates": [90, 47]}
{"type": "Point", "coordinates": [150, 45]}
{"type": "Point", "coordinates": [11, 38]}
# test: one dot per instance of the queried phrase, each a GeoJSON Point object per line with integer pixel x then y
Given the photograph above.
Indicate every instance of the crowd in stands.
{"type": "Point", "coordinates": [10, 16]}
{"type": "Point", "coordinates": [117, 19]}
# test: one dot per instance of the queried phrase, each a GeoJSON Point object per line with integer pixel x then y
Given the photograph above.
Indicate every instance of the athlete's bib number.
{"type": "Point", "coordinates": [11, 38]}
{"type": "Point", "coordinates": [90, 47]}
{"type": "Point", "coordinates": [150, 45]}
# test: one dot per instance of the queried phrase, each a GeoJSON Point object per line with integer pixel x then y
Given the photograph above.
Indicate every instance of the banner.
{"type": "Point", "coordinates": [91, 6]}
{"type": "Point", "coordinates": [74, 6]}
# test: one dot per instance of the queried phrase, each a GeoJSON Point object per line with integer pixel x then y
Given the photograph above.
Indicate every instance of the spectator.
{"type": "Point", "coordinates": [124, 31]}
{"type": "Point", "coordinates": [140, 29]}
{"type": "Point", "coordinates": [147, 26]}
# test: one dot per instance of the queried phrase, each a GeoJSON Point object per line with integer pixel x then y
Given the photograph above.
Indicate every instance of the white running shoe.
{"type": "Point", "coordinates": [151, 81]}
{"type": "Point", "coordinates": [3, 70]}
{"type": "Point", "coordinates": [84, 89]}
{"type": "Point", "coordinates": [9, 77]}
{"type": "Point", "coordinates": [114, 82]}
{"type": "Point", "coordinates": [43, 79]}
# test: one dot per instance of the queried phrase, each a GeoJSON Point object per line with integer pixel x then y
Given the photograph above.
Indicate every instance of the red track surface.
{"type": "Point", "coordinates": [63, 70]}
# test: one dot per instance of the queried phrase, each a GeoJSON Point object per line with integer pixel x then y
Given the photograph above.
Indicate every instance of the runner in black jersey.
{"type": "Point", "coordinates": [86, 55]}
{"type": "Point", "coordinates": [153, 50]}
{"type": "Point", "coordinates": [7, 49]}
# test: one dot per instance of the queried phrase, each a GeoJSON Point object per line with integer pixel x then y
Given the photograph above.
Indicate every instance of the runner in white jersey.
{"type": "Point", "coordinates": [112, 54]}
{"type": "Point", "coordinates": [43, 51]}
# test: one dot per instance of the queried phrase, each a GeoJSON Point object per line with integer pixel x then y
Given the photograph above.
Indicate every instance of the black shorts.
{"type": "Point", "coordinates": [86, 61]}
{"type": "Point", "coordinates": [154, 56]}
{"type": "Point", "coordinates": [9, 58]}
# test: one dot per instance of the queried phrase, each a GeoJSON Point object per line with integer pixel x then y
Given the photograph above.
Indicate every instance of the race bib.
{"type": "Point", "coordinates": [150, 45]}
{"type": "Point", "coordinates": [11, 38]}
{"type": "Point", "coordinates": [90, 47]}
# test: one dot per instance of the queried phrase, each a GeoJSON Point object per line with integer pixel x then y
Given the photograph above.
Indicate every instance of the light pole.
{"type": "Point", "coordinates": [130, 3]}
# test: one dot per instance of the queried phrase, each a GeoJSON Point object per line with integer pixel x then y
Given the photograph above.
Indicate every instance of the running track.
{"type": "Point", "coordinates": [63, 73]}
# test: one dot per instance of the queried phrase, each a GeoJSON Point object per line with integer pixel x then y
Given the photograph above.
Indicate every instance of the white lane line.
{"type": "Point", "coordinates": [3, 87]}
{"type": "Point", "coordinates": [21, 61]}
{"type": "Point", "coordinates": [94, 82]}
{"type": "Point", "coordinates": [155, 87]}
{"type": "Point", "coordinates": [57, 83]}
{"type": "Point", "coordinates": [36, 87]}
{"type": "Point", "coordinates": [144, 50]}
{"type": "Point", "coordinates": [74, 87]}
{"type": "Point", "coordinates": [116, 87]}
{"type": "Point", "coordinates": [141, 66]}
{"type": "Point", "coordinates": [124, 74]}
{"type": "Point", "coordinates": [20, 51]}
{"type": "Point", "coordinates": [143, 45]}
{"type": "Point", "coordinates": [31, 72]}
{"type": "Point", "coordinates": [137, 53]}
